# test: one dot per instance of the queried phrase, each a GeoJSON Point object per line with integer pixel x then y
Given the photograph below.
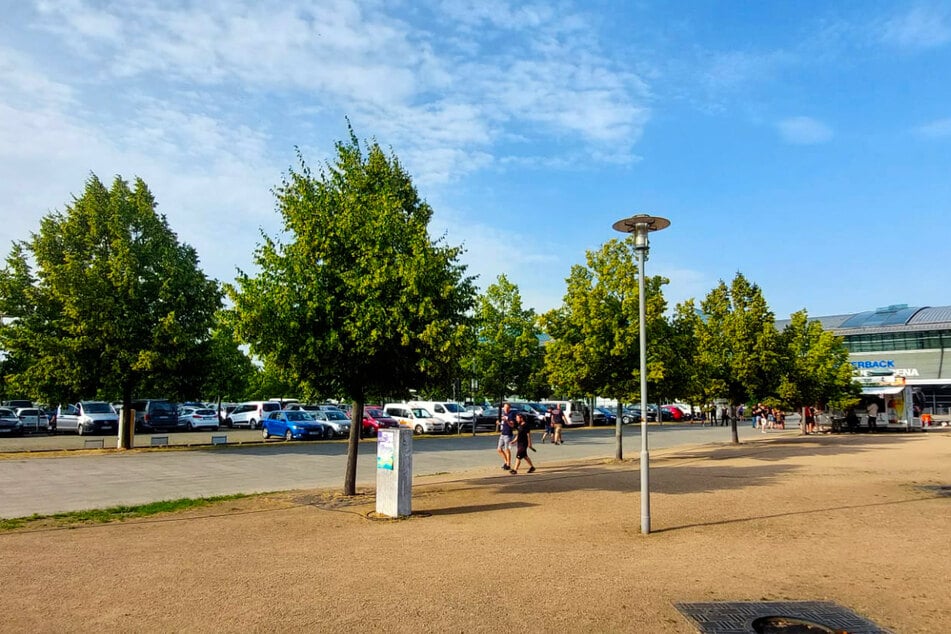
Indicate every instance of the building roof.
{"type": "Point", "coordinates": [894, 318]}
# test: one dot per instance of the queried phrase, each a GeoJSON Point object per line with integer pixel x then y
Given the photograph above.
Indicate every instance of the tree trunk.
{"type": "Point", "coordinates": [353, 447]}
{"type": "Point", "coordinates": [735, 432]}
{"type": "Point", "coordinates": [126, 438]}
{"type": "Point", "coordinates": [618, 443]}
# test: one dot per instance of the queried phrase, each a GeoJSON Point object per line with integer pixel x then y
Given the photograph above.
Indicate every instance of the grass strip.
{"type": "Point", "coordinates": [113, 513]}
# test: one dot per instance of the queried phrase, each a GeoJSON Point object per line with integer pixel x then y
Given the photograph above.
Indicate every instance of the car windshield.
{"type": "Point", "coordinates": [454, 408]}
{"type": "Point", "coordinates": [98, 408]}
{"type": "Point", "coordinates": [270, 407]}
{"type": "Point", "coordinates": [335, 414]}
{"type": "Point", "coordinates": [205, 412]}
{"type": "Point", "coordinates": [419, 412]}
{"type": "Point", "coordinates": [298, 415]}
{"type": "Point", "coordinates": [6, 413]}
{"type": "Point", "coordinates": [163, 408]}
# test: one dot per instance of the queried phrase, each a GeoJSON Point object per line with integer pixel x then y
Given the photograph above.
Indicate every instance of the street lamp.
{"type": "Point", "coordinates": [640, 226]}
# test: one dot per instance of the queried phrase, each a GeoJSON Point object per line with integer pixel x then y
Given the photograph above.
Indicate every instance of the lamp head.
{"type": "Point", "coordinates": [641, 225]}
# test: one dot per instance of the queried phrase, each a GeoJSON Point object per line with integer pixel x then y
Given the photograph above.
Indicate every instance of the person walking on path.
{"type": "Point", "coordinates": [523, 443]}
{"type": "Point", "coordinates": [558, 420]}
{"type": "Point", "coordinates": [549, 428]}
{"type": "Point", "coordinates": [506, 435]}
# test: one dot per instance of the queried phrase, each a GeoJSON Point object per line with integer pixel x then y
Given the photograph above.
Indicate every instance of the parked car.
{"type": "Point", "coordinates": [251, 413]}
{"type": "Point", "coordinates": [633, 414]}
{"type": "Point", "coordinates": [10, 424]}
{"type": "Point", "coordinates": [156, 414]}
{"type": "Point", "coordinates": [574, 411]}
{"type": "Point", "coordinates": [416, 418]}
{"type": "Point", "coordinates": [198, 418]}
{"type": "Point", "coordinates": [453, 415]}
{"type": "Point", "coordinates": [87, 417]}
{"type": "Point", "coordinates": [375, 419]}
{"type": "Point", "coordinates": [33, 419]}
{"type": "Point", "coordinates": [293, 424]}
{"type": "Point", "coordinates": [335, 419]}
{"type": "Point", "coordinates": [604, 416]}
{"type": "Point", "coordinates": [673, 413]}
{"type": "Point", "coordinates": [17, 403]}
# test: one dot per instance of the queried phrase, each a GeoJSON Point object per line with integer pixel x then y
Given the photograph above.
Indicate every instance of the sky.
{"type": "Point", "coordinates": [805, 144]}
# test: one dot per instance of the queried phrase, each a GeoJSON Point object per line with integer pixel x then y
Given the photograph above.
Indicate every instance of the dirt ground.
{"type": "Point", "coordinates": [832, 518]}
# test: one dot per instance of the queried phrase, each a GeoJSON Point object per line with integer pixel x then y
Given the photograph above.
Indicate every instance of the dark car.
{"type": "Point", "coordinates": [374, 419]}
{"type": "Point", "coordinates": [604, 416]}
{"type": "Point", "coordinates": [9, 422]}
{"type": "Point", "coordinates": [156, 415]}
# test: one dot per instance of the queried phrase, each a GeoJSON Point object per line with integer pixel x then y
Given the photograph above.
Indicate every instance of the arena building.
{"type": "Point", "coordinates": [898, 344]}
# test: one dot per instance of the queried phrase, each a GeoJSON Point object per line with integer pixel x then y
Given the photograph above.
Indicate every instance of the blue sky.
{"type": "Point", "coordinates": [806, 144]}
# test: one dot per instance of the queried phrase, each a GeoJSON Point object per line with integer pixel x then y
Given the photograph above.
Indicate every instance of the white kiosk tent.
{"type": "Point", "coordinates": [896, 408]}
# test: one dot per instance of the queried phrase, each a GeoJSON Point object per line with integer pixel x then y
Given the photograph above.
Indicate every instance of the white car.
{"type": "Point", "coordinates": [198, 418]}
{"type": "Point", "coordinates": [416, 418]}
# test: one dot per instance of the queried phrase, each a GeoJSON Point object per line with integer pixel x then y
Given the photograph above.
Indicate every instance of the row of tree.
{"type": "Point", "coordinates": [356, 301]}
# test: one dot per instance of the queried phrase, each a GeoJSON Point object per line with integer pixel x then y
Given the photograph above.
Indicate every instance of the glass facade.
{"type": "Point", "coordinates": [915, 340]}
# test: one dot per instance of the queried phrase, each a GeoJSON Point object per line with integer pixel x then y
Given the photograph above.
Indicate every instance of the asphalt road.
{"type": "Point", "coordinates": [44, 484]}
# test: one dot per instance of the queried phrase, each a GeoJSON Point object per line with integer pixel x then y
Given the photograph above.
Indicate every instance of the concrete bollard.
{"type": "Point", "coordinates": [394, 472]}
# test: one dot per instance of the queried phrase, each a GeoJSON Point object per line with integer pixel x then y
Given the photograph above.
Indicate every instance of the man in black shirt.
{"type": "Point", "coordinates": [523, 442]}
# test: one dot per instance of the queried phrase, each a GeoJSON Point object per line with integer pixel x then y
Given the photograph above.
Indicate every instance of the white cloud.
{"type": "Point", "coordinates": [935, 129]}
{"type": "Point", "coordinates": [804, 131]}
{"type": "Point", "coordinates": [921, 27]}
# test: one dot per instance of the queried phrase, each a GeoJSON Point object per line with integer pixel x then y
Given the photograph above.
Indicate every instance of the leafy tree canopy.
{"type": "Point", "coordinates": [104, 300]}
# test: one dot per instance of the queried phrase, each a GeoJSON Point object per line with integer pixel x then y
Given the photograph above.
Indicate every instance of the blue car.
{"type": "Point", "coordinates": [294, 424]}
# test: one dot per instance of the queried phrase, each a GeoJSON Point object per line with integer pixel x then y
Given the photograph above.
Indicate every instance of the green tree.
{"type": "Point", "coordinates": [228, 370]}
{"type": "Point", "coordinates": [359, 301]}
{"type": "Point", "coordinates": [114, 301]}
{"type": "Point", "coordinates": [507, 353]}
{"type": "Point", "coordinates": [737, 344]}
{"type": "Point", "coordinates": [596, 332]}
{"type": "Point", "coordinates": [815, 365]}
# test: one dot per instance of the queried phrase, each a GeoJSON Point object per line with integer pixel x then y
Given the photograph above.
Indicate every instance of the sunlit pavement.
{"type": "Point", "coordinates": [43, 484]}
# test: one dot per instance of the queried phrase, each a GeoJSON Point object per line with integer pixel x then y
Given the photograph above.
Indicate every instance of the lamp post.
{"type": "Point", "coordinates": [641, 225]}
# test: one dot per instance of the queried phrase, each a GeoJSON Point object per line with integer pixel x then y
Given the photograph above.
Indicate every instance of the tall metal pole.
{"type": "Point", "coordinates": [641, 226]}
{"type": "Point", "coordinates": [645, 454]}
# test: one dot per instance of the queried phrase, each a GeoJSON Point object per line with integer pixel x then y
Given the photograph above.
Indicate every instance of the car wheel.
{"type": "Point", "coordinates": [265, 433]}
{"type": "Point", "coordinates": [288, 435]}
{"type": "Point", "coordinates": [252, 424]}
{"type": "Point", "coordinates": [191, 426]}
{"type": "Point", "coordinates": [419, 429]}
{"type": "Point", "coordinates": [80, 430]}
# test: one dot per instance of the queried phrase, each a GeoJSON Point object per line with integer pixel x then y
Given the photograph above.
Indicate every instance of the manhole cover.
{"type": "Point", "coordinates": [787, 625]}
{"type": "Point", "coordinates": [776, 617]}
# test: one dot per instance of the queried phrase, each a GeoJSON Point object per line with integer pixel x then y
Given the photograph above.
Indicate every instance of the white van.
{"type": "Point", "coordinates": [574, 411]}
{"type": "Point", "coordinates": [416, 418]}
{"type": "Point", "coordinates": [453, 415]}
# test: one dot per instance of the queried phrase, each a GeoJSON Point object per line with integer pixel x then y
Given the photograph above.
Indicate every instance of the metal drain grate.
{"type": "Point", "coordinates": [738, 617]}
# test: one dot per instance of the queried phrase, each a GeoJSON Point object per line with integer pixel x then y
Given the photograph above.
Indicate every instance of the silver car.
{"type": "Point", "coordinates": [336, 419]}
{"type": "Point", "coordinates": [34, 419]}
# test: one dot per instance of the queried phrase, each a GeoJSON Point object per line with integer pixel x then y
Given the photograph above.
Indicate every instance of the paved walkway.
{"type": "Point", "coordinates": [47, 484]}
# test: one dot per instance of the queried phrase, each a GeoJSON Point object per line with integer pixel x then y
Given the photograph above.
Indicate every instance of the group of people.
{"type": "Point", "coordinates": [766, 418]}
{"type": "Point", "coordinates": [514, 429]}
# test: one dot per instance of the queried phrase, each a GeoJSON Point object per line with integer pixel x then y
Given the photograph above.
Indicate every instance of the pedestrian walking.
{"type": "Point", "coordinates": [549, 427]}
{"type": "Point", "coordinates": [558, 421]}
{"type": "Point", "coordinates": [506, 436]}
{"type": "Point", "coordinates": [523, 443]}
